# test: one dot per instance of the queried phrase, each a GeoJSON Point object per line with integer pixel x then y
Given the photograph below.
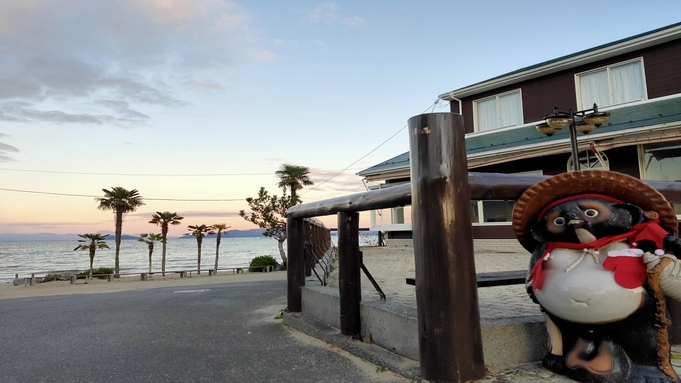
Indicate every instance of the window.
{"type": "Point", "coordinates": [612, 85]}
{"type": "Point", "coordinates": [590, 159]}
{"type": "Point", "coordinates": [661, 162]}
{"type": "Point", "coordinates": [500, 111]}
{"type": "Point", "coordinates": [495, 211]}
{"type": "Point", "coordinates": [397, 215]}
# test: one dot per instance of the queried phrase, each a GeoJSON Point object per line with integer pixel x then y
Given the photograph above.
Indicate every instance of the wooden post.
{"type": "Point", "coordinates": [307, 234]}
{"type": "Point", "coordinates": [450, 340]}
{"type": "Point", "coordinates": [295, 271]}
{"type": "Point", "coordinates": [32, 279]}
{"type": "Point", "coordinates": [349, 273]}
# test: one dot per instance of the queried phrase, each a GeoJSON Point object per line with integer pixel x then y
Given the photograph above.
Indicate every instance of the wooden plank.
{"type": "Point", "coordinates": [499, 278]}
{"type": "Point", "coordinates": [483, 186]}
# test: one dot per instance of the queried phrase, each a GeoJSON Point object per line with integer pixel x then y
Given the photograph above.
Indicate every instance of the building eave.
{"type": "Point", "coordinates": [598, 53]}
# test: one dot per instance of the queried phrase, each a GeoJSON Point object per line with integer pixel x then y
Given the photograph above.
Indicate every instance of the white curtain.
{"type": "Point", "coordinates": [593, 88]}
{"type": "Point", "coordinates": [487, 114]}
{"type": "Point", "coordinates": [627, 83]}
{"type": "Point", "coordinates": [510, 110]}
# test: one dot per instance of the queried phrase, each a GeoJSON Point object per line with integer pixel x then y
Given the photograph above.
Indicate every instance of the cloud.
{"type": "Point", "coordinates": [330, 14]}
{"type": "Point", "coordinates": [321, 43]}
{"type": "Point", "coordinates": [190, 214]}
{"type": "Point", "coordinates": [264, 56]}
{"type": "Point", "coordinates": [6, 148]}
{"type": "Point", "coordinates": [101, 62]}
{"type": "Point", "coordinates": [50, 224]}
{"type": "Point", "coordinates": [326, 13]}
{"type": "Point", "coordinates": [354, 22]}
{"type": "Point", "coordinates": [279, 42]}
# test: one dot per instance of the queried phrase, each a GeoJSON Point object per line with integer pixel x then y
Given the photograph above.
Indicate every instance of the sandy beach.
{"type": "Point", "coordinates": [128, 283]}
{"type": "Point", "coordinates": [389, 265]}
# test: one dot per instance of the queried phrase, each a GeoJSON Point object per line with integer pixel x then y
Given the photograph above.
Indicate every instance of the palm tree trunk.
{"type": "Point", "coordinates": [92, 258]}
{"type": "Point", "coordinates": [198, 241]}
{"type": "Point", "coordinates": [151, 250]}
{"type": "Point", "coordinates": [164, 234]}
{"type": "Point", "coordinates": [119, 229]}
{"type": "Point", "coordinates": [217, 252]}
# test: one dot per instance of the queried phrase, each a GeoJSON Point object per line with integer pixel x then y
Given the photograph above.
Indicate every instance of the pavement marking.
{"type": "Point", "coordinates": [190, 291]}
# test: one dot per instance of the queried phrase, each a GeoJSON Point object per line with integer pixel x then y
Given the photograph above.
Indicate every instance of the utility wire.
{"type": "Point", "coordinates": [139, 174]}
{"type": "Point", "coordinates": [145, 198]}
{"type": "Point", "coordinates": [432, 107]}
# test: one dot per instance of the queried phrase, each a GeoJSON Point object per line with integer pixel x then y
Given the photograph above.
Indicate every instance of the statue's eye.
{"type": "Point", "coordinates": [560, 221]}
{"type": "Point", "coordinates": [591, 213]}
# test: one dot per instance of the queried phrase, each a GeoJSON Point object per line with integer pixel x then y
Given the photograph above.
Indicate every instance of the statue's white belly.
{"type": "Point", "coordinates": [588, 293]}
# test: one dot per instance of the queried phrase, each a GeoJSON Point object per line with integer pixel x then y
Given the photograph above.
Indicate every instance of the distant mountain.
{"type": "Point", "coordinates": [74, 237]}
{"type": "Point", "coordinates": [38, 237]}
{"type": "Point", "coordinates": [234, 234]}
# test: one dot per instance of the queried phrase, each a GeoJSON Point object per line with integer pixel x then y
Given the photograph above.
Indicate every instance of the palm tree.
{"type": "Point", "coordinates": [199, 231]}
{"type": "Point", "coordinates": [97, 241]}
{"type": "Point", "coordinates": [150, 239]}
{"type": "Point", "coordinates": [218, 227]}
{"type": "Point", "coordinates": [293, 177]}
{"type": "Point", "coordinates": [164, 219]}
{"type": "Point", "coordinates": [121, 201]}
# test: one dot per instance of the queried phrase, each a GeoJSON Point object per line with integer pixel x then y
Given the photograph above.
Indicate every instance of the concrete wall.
{"type": "Point", "coordinates": [395, 328]}
{"type": "Point", "coordinates": [479, 245]}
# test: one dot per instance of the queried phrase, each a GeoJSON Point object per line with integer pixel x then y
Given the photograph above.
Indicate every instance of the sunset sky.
{"type": "Point", "coordinates": [196, 101]}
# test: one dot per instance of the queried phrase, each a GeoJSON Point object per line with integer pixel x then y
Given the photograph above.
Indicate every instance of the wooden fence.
{"type": "Point", "coordinates": [440, 192]}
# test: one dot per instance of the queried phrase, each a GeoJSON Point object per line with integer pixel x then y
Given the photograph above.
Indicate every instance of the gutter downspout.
{"type": "Point", "coordinates": [450, 97]}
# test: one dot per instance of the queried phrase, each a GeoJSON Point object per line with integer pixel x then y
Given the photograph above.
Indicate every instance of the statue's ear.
{"type": "Point", "coordinates": [538, 230]}
{"type": "Point", "coordinates": [635, 211]}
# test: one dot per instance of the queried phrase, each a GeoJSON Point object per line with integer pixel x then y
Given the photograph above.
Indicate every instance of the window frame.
{"type": "Point", "coordinates": [578, 90]}
{"type": "Point", "coordinates": [642, 171]}
{"type": "Point", "coordinates": [481, 209]}
{"type": "Point", "coordinates": [476, 123]}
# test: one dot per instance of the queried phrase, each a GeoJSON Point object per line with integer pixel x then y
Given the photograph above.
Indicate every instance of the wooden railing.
{"type": "Point", "coordinates": [440, 192]}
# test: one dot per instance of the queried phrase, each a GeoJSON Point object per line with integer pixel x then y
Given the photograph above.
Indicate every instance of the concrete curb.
{"type": "Point", "coordinates": [367, 351]}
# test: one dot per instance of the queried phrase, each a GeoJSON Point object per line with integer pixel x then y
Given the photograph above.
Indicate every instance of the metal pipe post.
{"type": "Point", "coordinates": [295, 271]}
{"type": "Point", "coordinates": [349, 273]}
{"type": "Point", "coordinates": [573, 142]}
{"type": "Point", "coordinates": [450, 340]}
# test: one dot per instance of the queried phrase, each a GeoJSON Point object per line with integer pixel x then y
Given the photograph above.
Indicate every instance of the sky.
{"type": "Point", "coordinates": [196, 103]}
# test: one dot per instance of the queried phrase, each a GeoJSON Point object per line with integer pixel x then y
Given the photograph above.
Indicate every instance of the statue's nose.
{"type": "Point", "coordinates": [572, 216]}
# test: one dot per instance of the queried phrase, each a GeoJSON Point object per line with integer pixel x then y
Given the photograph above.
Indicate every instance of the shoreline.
{"type": "Point", "coordinates": [130, 283]}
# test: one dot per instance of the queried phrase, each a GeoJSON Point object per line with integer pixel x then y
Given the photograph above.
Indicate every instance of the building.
{"type": "Point", "coordinates": [637, 80]}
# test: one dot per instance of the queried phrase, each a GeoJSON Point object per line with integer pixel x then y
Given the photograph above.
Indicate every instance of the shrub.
{"type": "Point", "coordinates": [101, 270]}
{"type": "Point", "coordinates": [258, 262]}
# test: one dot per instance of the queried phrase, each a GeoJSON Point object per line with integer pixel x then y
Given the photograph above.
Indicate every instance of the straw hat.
{"type": "Point", "coordinates": [616, 185]}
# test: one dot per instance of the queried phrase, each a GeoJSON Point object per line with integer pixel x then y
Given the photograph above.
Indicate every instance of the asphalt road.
{"type": "Point", "coordinates": [212, 333]}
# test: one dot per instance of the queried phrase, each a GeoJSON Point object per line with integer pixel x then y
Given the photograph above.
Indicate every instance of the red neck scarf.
{"type": "Point", "coordinates": [630, 272]}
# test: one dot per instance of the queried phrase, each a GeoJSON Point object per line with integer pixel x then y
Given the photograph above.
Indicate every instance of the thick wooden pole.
{"type": "Point", "coordinates": [295, 271]}
{"type": "Point", "coordinates": [450, 341]}
{"type": "Point", "coordinates": [308, 241]}
{"type": "Point", "coordinates": [349, 273]}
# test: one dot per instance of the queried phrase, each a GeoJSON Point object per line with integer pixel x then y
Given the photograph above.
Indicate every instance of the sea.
{"type": "Point", "coordinates": [51, 257]}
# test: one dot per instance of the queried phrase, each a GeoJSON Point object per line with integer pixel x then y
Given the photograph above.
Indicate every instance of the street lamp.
{"type": "Point", "coordinates": [589, 119]}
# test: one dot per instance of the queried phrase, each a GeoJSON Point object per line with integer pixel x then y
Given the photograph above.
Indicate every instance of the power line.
{"type": "Point", "coordinates": [145, 198]}
{"type": "Point", "coordinates": [139, 174]}
{"type": "Point", "coordinates": [432, 107]}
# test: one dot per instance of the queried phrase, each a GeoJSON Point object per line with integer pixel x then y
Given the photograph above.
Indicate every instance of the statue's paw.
{"type": "Point", "coordinates": [652, 259]}
{"type": "Point", "coordinates": [554, 363]}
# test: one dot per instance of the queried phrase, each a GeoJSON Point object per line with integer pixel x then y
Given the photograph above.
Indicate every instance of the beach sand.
{"type": "Point", "coordinates": [391, 265]}
{"type": "Point", "coordinates": [128, 283]}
